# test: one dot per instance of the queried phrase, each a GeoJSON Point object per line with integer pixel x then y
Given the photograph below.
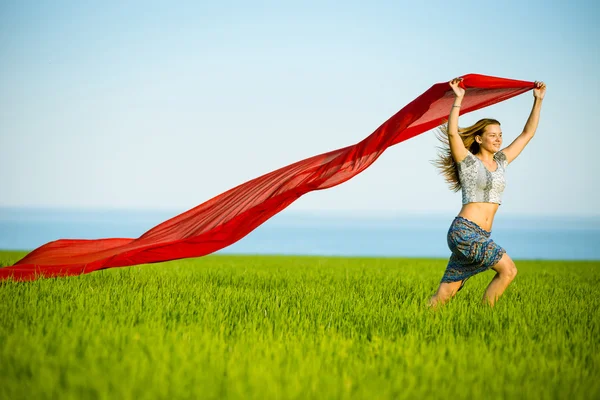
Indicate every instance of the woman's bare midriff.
{"type": "Point", "coordinates": [480, 213]}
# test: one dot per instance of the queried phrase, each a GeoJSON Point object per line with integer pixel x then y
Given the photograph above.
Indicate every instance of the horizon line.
{"type": "Point", "coordinates": [302, 212]}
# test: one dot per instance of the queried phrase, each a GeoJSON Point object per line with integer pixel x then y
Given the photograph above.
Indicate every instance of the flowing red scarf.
{"type": "Point", "coordinates": [230, 216]}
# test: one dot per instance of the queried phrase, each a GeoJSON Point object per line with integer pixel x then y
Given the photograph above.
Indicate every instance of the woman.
{"type": "Point", "coordinates": [474, 163]}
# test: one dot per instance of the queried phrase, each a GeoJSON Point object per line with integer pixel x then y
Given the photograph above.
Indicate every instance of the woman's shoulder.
{"type": "Point", "coordinates": [501, 158]}
{"type": "Point", "coordinates": [470, 157]}
{"type": "Point", "coordinates": [469, 161]}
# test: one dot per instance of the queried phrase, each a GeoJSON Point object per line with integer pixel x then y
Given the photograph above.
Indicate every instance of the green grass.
{"type": "Point", "coordinates": [299, 327]}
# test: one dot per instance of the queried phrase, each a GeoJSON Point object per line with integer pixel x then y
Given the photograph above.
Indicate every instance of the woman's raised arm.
{"type": "Point", "coordinates": [457, 147]}
{"type": "Point", "coordinates": [517, 146]}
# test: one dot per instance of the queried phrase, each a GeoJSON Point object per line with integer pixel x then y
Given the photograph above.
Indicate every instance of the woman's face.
{"type": "Point", "coordinates": [491, 140]}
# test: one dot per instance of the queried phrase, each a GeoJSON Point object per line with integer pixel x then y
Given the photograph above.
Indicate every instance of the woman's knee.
{"type": "Point", "coordinates": [448, 290]}
{"type": "Point", "coordinates": [506, 267]}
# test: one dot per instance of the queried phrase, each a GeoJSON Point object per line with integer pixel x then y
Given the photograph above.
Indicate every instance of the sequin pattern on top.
{"type": "Point", "coordinates": [479, 184]}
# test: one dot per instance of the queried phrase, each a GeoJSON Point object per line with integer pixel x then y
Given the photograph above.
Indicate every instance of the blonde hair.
{"type": "Point", "coordinates": [445, 163]}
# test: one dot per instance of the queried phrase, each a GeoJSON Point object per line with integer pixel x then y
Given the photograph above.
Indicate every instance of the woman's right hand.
{"type": "Point", "coordinates": [458, 91]}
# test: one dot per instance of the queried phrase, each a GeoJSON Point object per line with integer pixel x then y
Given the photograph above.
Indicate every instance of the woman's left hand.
{"type": "Point", "coordinates": [540, 90]}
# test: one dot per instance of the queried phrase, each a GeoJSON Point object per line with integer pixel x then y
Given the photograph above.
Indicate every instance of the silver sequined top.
{"type": "Point", "coordinates": [479, 184]}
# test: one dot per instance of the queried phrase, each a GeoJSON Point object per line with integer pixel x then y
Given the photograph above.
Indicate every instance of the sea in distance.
{"type": "Point", "coordinates": [320, 233]}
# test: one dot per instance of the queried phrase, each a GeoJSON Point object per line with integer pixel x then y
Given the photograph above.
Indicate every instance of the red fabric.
{"type": "Point", "coordinates": [230, 216]}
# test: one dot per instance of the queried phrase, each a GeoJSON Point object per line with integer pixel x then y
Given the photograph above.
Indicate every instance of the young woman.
{"type": "Point", "coordinates": [474, 163]}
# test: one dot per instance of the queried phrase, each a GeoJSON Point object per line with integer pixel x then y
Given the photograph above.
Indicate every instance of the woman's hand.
{"type": "Point", "coordinates": [458, 91]}
{"type": "Point", "coordinates": [540, 90]}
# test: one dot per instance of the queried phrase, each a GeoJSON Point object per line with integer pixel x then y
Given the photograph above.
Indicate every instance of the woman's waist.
{"type": "Point", "coordinates": [480, 213]}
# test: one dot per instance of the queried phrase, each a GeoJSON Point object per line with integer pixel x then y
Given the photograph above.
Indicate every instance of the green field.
{"type": "Point", "coordinates": [299, 328]}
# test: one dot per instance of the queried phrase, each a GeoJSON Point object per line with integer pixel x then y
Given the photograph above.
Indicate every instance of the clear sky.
{"type": "Point", "coordinates": [163, 105]}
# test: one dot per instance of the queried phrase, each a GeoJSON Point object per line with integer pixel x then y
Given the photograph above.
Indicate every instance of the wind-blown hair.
{"type": "Point", "coordinates": [445, 163]}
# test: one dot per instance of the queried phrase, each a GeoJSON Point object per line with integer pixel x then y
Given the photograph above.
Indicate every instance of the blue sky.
{"type": "Point", "coordinates": [152, 105]}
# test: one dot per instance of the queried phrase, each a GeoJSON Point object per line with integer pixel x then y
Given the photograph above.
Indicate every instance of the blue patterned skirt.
{"type": "Point", "coordinates": [473, 251]}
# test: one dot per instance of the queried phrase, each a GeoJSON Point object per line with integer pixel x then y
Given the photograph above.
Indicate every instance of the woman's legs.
{"type": "Point", "coordinates": [506, 272]}
{"type": "Point", "coordinates": [445, 292]}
